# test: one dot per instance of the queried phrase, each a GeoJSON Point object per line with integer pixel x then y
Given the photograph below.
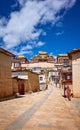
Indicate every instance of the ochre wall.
{"type": "Point", "coordinates": [76, 74]}
{"type": "Point", "coordinates": [15, 85]}
{"type": "Point", "coordinates": [33, 79]}
{"type": "Point", "coordinates": [30, 84]}
{"type": "Point", "coordinates": [5, 76]}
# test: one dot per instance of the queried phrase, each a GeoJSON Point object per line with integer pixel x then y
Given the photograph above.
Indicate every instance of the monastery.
{"type": "Point", "coordinates": [21, 75]}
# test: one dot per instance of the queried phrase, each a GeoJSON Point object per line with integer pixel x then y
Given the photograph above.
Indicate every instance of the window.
{"type": "Point", "coordinates": [17, 65]}
{"type": "Point", "coordinates": [68, 77]}
{"type": "Point", "coordinates": [35, 68]}
{"type": "Point", "coordinates": [66, 62]}
{"type": "Point", "coordinates": [41, 78]}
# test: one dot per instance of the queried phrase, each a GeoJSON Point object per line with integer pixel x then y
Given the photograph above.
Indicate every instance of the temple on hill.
{"type": "Point", "coordinates": [43, 57]}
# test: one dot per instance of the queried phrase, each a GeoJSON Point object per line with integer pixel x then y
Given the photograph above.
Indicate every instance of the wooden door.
{"type": "Point", "coordinates": [21, 89]}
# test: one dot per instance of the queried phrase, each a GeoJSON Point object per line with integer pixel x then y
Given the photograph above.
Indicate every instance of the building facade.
{"type": "Point", "coordinates": [43, 57]}
{"type": "Point", "coordinates": [41, 63]}
{"type": "Point", "coordinates": [5, 73]}
{"type": "Point", "coordinates": [17, 61]}
{"type": "Point", "coordinates": [63, 59]}
{"type": "Point", "coordinates": [75, 56]}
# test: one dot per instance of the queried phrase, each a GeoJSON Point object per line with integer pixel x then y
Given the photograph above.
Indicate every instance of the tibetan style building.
{"type": "Point", "coordinates": [64, 69]}
{"type": "Point", "coordinates": [41, 64]}
{"type": "Point", "coordinates": [17, 61]}
{"type": "Point", "coordinates": [42, 57]}
{"type": "Point", "coordinates": [63, 59]}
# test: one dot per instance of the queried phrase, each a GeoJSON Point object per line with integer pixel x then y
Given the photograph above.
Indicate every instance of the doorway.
{"type": "Point", "coordinates": [21, 88]}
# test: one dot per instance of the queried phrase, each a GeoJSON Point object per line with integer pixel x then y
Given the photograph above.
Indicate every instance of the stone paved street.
{"type": "Point", "coordinates": [45, 110]}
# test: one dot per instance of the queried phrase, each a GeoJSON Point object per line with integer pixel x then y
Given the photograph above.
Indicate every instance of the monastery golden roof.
{"type": "Point", "coordinates": [42, 52]}
{"type": "Point", "coordinates": [21, 56]}
{"type": "Point", "coordinates": [62, 54]}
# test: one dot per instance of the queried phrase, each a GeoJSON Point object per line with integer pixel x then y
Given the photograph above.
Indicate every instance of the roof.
{"type": "Point", "coordinates": [21, 78]}
{"type": "Point", "coordinates": [63, 55]}
{"type": "Point", "coordinates": [6, 52]}
{"type": "Point", "coordinates": [21, 56]}
{"type": "Point", "coordinates": [42, 53]}
{"type": "Point", "coordinates": [73, 52]}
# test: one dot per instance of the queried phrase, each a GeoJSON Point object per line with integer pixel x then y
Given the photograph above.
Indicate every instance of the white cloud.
{"type": "Point", "coordinates": [25, 52]}
{"type": "Point", "coordinates": [22, 52]}
{"type": "Point", "coordinates": [28, 47]}
{"type": "Point", "coordinates": [59, 24]}
{"type": "Point", "coordinates": [21, 26]}
{"type": "Point", "coordinates": [21, 2]}
{"type": "Point", "coordinates": [40, 43]}
{"type": "Point", "coordinates": [11, 40]}
{"type": "Point", "coordinates": [59, 33]}
{"type": "Point", "coordinates": [44, 33]}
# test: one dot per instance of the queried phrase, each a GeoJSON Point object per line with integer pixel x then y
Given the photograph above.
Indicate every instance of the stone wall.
{"type": "Point", "coordinates": [15, 85]}
{"type": "Point", "coordinates": [76, 74]}
{"type": "Point", "coordinates": [5, 76]}
{"type": "Point", "coordinates": [33, 79]}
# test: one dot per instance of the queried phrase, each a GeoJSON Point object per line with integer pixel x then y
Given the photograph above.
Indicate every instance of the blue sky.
{"type": "Point", "coordinates": [30, 26]}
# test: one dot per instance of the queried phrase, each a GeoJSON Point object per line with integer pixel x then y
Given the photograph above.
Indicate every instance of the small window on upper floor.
{"type": "Point", "coordinates": [66, 62]}
{"type": "Point", "coordinates": [41, 78]}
